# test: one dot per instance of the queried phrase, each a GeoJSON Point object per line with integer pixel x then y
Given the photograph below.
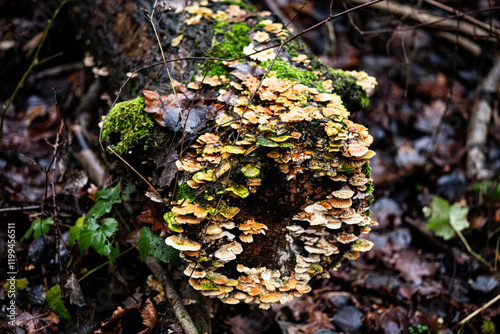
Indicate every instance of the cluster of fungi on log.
{"type": "Point", "coordinates": [274, 191]}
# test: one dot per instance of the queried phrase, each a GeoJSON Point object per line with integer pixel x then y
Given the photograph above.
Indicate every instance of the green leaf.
{"type": "Point", "coordinates": [113, 254]}
{"type": "Point", "coordinates": [458, 217]}
{"type": "Point", "coordinates": [99, 209]}
{"type": "Point", "coordinates": [87, 234]}
{"type": "Point", "coordinates": [152, 243]}
{"type": "Point", "coordinates": [104, 200]}
{"type": "Point", "coordinates": [128, 191]}
{"type": "Point", "coordinates": [74, 231]}
{"type": "Point", "coordinates": [53, 299]}
{"type": "Point", "coordinates": [444, 220]}
{"type": "Point", "coordinates": [19, 284]}
{"type": "Point", "coordinates": [38, 228]}
{"type": "Point", "coordinates": [109, 227]}
{"type": "Point", "coordinates": [488, 327]}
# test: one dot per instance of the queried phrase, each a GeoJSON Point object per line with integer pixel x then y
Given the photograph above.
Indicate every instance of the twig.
{"type": "Point", "coordinates": [34, 62]}
{"type": "Point", "coordinates": [88, 159]}
{"type": "Point", "coordinates": [428, 235]}
{"type": "Point", "coordinates": [90, 272]}
{"type": "Point", "coordinates": [471, 251]}
{"type": "Point", "coordinates": [431, 20]}
{"type": "Point", "coordinates": [180, 312]}
{"type": "Point", "coordinates": [479, 310]}
{"type": "Point", "coordinates": [468, 18]}
{"type": "Point", "coordinates": [479, 122]}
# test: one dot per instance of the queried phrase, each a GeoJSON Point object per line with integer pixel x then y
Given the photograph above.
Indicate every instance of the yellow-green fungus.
{"type": "Point", "coordinates": [203, 176]}
{"type": "Point", "coordinates": [250, 171]}
{"type": "Point", "coordinates": [239, 190]}
{"type": "Point", "coordinates": [172, 223]}
{"type": "Point", "coordinates": [262, 141]}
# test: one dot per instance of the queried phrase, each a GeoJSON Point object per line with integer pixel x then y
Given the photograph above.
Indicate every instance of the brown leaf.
{"type": "Point", "coordinates": [153, 215]}
{"type": "Point", "coordinates": [113, 325]}
{"type": "Point", "coordinates": [413, 268]}
{"type": "Point", "coordinates": [149, 317]}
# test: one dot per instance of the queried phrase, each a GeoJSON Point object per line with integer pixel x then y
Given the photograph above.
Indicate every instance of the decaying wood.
{"type": "Point", "coordinates": [266, 178]}
{"type": "Point", "coordinates": [479, 122]}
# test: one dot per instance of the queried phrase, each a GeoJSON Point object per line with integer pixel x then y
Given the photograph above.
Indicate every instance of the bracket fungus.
{"type": "Point", "coordinates": [277, 175]}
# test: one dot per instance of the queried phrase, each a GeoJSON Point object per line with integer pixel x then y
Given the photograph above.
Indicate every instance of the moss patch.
{"type": "Point", "coordinates": [285, 71]}
{"type": "Point", "coordinates": [353, 95]}
{"type": "Point", "coordinates": [228, 42]}
{"type": "Point", "coordinates": [127, 125]}
{"type": "Point", "coordinates": [242, 4]}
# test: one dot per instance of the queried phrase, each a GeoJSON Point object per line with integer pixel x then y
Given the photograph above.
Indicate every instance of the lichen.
{"type": "Point", "coordinates": [127, 126]}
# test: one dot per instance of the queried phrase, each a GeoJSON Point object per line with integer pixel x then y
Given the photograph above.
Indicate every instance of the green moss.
{"type": "Point", "coordinates": [242, 4]}
{"type": "Point", "coordinates": [209, 285]}
{"type": "Point", "coordinates": [228, 42]}
{"type": "Point", "coordinates": [353, 96]}
{"type": "Point", "coordinates": [127, 126]}
{"type": "Point", "coordinates": [367, 170]}
{"type": "Point", "coordinates": [285, 71]}
{"type": "Point", "coordinates": [185, 191]}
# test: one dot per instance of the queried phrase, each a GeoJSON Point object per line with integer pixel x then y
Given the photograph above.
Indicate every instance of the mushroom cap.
{"type": "Point", "coordinates": [346, 238]}
{"type": "Point", "coordinates": [340, 203]}
{"type": "Point", "coordinates": [361, 245]}
{"type": "Point", "coordinates": [344, 193]}
{"type": "Point", "coordinates": [228, 252]}
{"type": "Point", "coordinates": [191, 272]}
{"type": "Point", "coordinates": [182, 243]}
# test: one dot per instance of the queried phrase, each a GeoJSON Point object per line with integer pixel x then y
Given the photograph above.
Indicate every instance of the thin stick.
{"type": "Point", "coordinates": [142, 177]}
{"type": "Point", "coordinates": [103, 264]}
{"type": "Point", "coordinates": [34, 62]}
{"type": "Point", "coordinates": [180, 312]}
{"type": "Point", "coordinates": [479, 310]}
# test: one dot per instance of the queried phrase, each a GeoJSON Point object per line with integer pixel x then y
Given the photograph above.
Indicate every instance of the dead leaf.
{"type": "Point", "coordinates": [153, 215]}
{"type": "Point", "coordinates": [149, 317]}
{"type": "Point", "coordinates": [413, 268]}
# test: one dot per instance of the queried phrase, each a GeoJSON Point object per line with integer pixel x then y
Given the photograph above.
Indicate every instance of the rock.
{"type": "Point", "coordinates": [348, 319]}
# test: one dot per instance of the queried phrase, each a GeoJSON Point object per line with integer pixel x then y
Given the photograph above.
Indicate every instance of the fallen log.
{"type": "Point", "coordinates": [246, 140]}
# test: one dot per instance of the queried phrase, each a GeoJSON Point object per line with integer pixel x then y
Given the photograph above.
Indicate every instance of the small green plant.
{"type": "Point", "coordinates": [38, 228]}
{"type": "Point", "coordinates": [97, 230]}
{"type": "Point", "coordinates": [419, 329]}
{"type": "Point", "coordinates": [55, 303]}
{"type": "Point", "coordinates": [446, 220]}
{"type": "Point", "coordinates": [488, 191]}
{"type": "Point", "coordinates": [155, 245]}
{"type": "Point", "coordinates": [19, 284]}
{"type": "Point", "coordinates": [488, 327]}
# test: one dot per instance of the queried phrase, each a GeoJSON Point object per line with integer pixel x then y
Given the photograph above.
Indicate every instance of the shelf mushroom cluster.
{"type": "Point", "coordinates": [292, 132]}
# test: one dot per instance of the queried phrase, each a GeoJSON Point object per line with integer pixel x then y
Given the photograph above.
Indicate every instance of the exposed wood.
{"type": "Point", "coordinates": [479, 122]}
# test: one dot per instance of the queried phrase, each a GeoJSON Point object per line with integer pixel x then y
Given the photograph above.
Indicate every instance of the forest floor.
{"type": "Point", "coordinates": [417, 278]}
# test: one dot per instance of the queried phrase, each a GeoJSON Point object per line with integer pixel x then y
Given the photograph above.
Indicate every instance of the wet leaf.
{"type": "Point", "coordinates": [53, 299]}
{"type": "Point", "coordinates": [444, 220]}
{"type": "Point", "coordinates": [149, 317]}
{"type": "Point", "coordinates": [151, 243]}
{"type": "Point", "coordinates": [38, 228]}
